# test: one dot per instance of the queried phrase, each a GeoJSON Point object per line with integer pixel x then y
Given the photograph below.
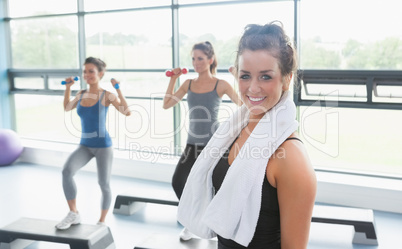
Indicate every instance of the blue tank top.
{"type": "Point", "coordinates": [93, 124]}
{"type": "Point", "coordinates": [203, 115]}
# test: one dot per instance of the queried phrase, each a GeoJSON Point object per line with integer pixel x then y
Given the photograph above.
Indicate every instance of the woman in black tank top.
{"type": "Point", "coordinates": [264, 68]}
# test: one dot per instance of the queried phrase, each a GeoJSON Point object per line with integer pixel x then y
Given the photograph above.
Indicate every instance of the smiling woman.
{"type": "Point", "coordinates": [260, 81]}
{"type": "Point", "coordinates": [273, 206]}
{"type": "Point", "coordinates": [264, 68]}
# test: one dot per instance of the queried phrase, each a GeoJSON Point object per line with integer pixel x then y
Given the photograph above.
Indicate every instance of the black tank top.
{"type": "Point", "coordinates": [267, 233]}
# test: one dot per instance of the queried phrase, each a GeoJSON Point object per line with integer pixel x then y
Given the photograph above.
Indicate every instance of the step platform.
{"type": "Point", "coordinates": [361, 219]}
{"type": "Point", "coordinates": [163, 241]}
{"type": "Point", "coordinates": [25, 231]}
{"type": "Point", "coordinates": [131, 201]}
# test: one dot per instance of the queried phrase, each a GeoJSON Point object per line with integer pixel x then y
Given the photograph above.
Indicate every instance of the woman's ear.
{"type": "Point", "coordinates": [286, 82]}
{"type": "Point", "coordinates": [233, 71]}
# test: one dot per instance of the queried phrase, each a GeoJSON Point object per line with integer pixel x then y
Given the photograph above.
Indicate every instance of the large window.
{"type": "Point", "coordinates": [353, 140]}
{"type": "Point", "coordinates": [94, 5]}
{"type": "Point", "coordinates": [48, 42]}
{"type": "Point", "coordinates": [137, 48]}
{"type": "Point", "coordinates": [351, 84]}
{"type": "Point", "coordinates": [139, 40]}
{"type": "Point", "coordinates": [131, 39]}
{"type": "Point", "coordinates": [224, 32]}
{"type": "Point", "coordinates": [21, 8]}
{"type": "Point", "coordinates": [225, 24]}
{"type": "Point", "coordinates": [358, 35]}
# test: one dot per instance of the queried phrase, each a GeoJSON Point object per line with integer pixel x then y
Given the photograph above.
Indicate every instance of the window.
{"type": "Point", "coordinates": [354, 140]}
{"type": "Point", "coordinates": [224, 33]}
{"type": "Point", "coordinates": [49, 42]}
{"type": "Point", "coordinates": [133, 40]}
{"type": "Point", "coordinates": [358, 35]}
{"type": "Point", "coordinates": [347, 63]}
{"type": "Point", "coordinates": [345, 122]}
{"type": "Point", "coordinates": [20, 8]}
{"type": "Point", "coordinates": [137, 49]}
{"type": "Point", "coordinates": [350, 95]}
{"type": "Point", "coordinates": [224, 36]}
{"type": "Point", "coordinates": [199, 1]}
{"type": "Point", "coordinates": [95, 5]}
{"type": "Point", "coordinates": [32, 110]}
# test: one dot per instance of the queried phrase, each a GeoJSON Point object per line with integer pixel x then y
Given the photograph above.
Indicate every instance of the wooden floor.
{"type": "Point", "coordinates": [35, 191]}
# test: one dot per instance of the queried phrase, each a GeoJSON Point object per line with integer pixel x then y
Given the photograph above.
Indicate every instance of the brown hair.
{"type": "Point", "coordinates": [101, 65]}
{"type": "Point", "coordinates": [270, 37]}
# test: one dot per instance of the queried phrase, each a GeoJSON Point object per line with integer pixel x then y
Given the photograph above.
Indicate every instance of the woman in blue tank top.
{"type": "Point", "coordinates": [92, 106]}
{"type": "Point", "coordinates": [204, 95]}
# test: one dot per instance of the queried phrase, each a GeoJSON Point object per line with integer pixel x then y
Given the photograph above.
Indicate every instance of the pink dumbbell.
{"type": "Point", "coordinates": [169, 73]}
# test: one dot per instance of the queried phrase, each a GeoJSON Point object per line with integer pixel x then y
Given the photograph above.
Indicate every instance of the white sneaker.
{"type": "Point", "coordinates": [100, 223]}
{"type": "Point", "coordinates": [72, 218]}
{"type": "Point", "coordinates": [185, 234]}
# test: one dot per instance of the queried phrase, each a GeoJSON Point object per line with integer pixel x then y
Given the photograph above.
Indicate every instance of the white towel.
{"type": "Point", "coordinates": [233, 212]}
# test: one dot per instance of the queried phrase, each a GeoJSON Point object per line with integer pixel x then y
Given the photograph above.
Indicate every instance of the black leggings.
{"type": "Point", "coordinates": [183, 168]}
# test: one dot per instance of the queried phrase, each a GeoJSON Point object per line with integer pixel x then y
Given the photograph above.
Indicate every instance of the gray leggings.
{"type": "Point", "coordinates": [78, 159]}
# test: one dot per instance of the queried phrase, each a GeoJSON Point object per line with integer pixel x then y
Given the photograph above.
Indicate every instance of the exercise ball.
{"type": "Point", "coordinates": [10, 147]}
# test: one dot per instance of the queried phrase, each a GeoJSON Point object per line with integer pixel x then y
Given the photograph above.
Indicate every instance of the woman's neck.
{"type": "Point", "coordinates": [94, 88]}
{"type": "Point", "coordinates": [206, 75]}
{"type": "Point", "coordinates": [253, 121]}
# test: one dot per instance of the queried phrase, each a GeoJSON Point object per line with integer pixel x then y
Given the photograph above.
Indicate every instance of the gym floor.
{"type": "Point", "coordinates": [35, 191]}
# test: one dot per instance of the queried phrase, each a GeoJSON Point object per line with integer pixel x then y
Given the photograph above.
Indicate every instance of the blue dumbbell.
{"type": "Point", "coordinates": [116, 86]}
{"type": "Point", "coordinates": [76, 78]}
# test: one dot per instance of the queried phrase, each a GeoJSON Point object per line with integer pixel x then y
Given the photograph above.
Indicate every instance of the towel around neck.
{"type": "Point", "coordinates": [233, 212]}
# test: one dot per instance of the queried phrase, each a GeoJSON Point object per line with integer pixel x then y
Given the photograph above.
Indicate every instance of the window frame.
{"type": "Point", "coordinates": [46, 73]}
{"type": "Point", "coordinates": [368, 78]}
{"type": "Point", "coordinates": [81, 13]}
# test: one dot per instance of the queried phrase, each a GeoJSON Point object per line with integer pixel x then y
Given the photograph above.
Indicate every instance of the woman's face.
{"type": "Point", "coordinates": [201, 62]}
{"type": "Point", "coordinates": [92, 74]}
{"type": "Point", "coordinates": [260, 81]}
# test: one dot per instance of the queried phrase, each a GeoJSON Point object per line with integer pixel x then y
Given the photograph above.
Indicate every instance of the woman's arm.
{"type": "Point", "coordinates": [227, 89]}
{"type": "Point", "coordinates": [70, 104]}
{"type": "Point", "coordinates": [119, 102]}
{"type": "Point", "coordinates": [296, 185]}
{"type": "Point", "coordinates": [172, 98]}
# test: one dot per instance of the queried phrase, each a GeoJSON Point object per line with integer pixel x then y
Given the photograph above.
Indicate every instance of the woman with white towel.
{"type": "Point", "coordinates": [253, 185]}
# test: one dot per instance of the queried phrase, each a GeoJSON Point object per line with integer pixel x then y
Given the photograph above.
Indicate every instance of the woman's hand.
{"type": "Point", "coordinates": [69, 81]}
{"type": "Point", "coordinates": [115, 83]}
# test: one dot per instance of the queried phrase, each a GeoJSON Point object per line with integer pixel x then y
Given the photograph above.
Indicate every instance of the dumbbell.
{"type": "Point", "coordinates": [116, 86]}
{"type": "Point", "coordinates": [76, 78]}
{"type": "Point", "coordinates": [169, 73]}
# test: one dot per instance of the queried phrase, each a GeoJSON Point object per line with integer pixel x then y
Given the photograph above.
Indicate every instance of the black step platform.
{"type": "Point", "coordinates": [162, 241]}
{"type": "Point", "coordinates": [20, 233]}
{"type": "Point", "coordinates": [361, 219]}
{"type": "Point", "coordinates": [131, 201]}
